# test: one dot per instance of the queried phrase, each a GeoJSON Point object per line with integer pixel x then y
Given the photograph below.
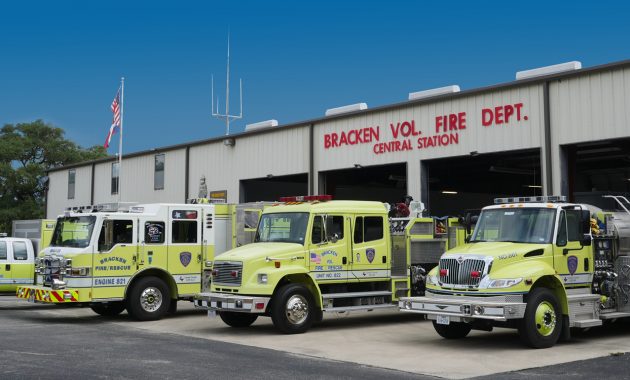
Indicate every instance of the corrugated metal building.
{"type": "Point", "coordinates": [567, 132]}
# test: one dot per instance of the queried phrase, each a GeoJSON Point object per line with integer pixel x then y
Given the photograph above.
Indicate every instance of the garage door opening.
{"type": "Point", "coordinates": [384, 183]}
{"type": "Point", "coordinates": [271, 188]}
{"type": "Point", "coordinates": [453, 185]}
{"type": "Point", "coordinates": [596, 169]}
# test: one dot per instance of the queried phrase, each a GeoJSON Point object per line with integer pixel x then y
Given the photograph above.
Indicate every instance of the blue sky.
{"type": "Point", "coordinates": [62, 61]}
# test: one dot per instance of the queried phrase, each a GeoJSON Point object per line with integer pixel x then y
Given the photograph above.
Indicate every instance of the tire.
{"type": "Point", "coordinates": [238, 320]}
{"type": "Point", "coordinates": [293, 309]}
{"type": "Point", "coordinates": [454, 330]}
{"type": "Point", "coordinates": [542, 324]}
{"type": "Point", "coordinates": [108, 309]}
{"type": "Point", "coordinates": [149, 299]}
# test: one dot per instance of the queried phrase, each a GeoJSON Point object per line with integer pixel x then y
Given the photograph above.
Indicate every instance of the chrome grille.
{"type": "Point", "coordinates": [223, 273]}
{"type": "Point", "coordinates": [459, 274]}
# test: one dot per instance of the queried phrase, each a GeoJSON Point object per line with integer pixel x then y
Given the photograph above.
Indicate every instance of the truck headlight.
{"type": "Point", "coordinates": [504, 283]}
{"type": "Point", "coordinates": [262, 278]}
{"type": "Point", "coordinates": [432, 280]}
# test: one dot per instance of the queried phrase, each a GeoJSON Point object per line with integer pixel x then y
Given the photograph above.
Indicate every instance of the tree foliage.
{"type": "Point", "coordinates": [27, 152]}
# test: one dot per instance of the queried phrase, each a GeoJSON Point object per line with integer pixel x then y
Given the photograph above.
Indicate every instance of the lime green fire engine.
{"type": "Point", "coordinates": [312, 255]}
{"type": "Point", "coordinates": [538, 264]}
{"type": "Point", "coordinates": [138, 257]}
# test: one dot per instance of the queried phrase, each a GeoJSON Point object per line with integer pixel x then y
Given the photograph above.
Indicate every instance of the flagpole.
{"type": "Point", "coordinates": [122, 111]}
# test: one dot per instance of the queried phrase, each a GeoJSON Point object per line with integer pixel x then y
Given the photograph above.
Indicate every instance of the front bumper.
{"type": "Point", "coordinates": [40, 294]}
{"type": "Point", "coordinates": [231, 302]}
{"type": "Point", "coordinates": [466, 308]}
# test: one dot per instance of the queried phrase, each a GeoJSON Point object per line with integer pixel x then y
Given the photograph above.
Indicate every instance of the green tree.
{"type": "Point", "coordinates": [27, 152]}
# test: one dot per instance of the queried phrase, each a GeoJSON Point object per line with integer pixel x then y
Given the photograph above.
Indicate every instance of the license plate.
{"type": "Point", "coordinates": [443, 320]}
{"type": "Point", "coordinates": [212, 313]}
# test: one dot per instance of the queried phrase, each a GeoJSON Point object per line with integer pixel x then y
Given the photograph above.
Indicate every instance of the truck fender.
{"type": "Point", "coordinates": [553, 283]}
{"type": "Point", "coordinates": [305, 279]}
{"type": "Point", "coordinates": [155, 272]}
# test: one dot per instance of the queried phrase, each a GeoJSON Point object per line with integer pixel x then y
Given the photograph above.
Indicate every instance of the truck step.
{"type": "Point", "coordinates": [358, 308]}
{"type": "Point", "coordinates": [357, 294]}
{"type": "Point", "coordinates": [587, 323]}
{"type": "Point", "coordinates": [583, 297]}
{"type": "Point", "coordinates": [614, 315]}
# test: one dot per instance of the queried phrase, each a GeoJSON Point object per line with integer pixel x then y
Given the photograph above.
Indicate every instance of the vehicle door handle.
{"type": "Point", "coordinates": [8, 267]}
{"type": "Point", "coordinates": [344, 260]}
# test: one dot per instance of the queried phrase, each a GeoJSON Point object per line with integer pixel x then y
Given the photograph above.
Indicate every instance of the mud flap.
{"type": "Point", "coordinates": [565, 334]}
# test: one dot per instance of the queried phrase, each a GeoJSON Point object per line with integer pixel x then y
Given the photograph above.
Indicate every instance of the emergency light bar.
{"type": "Point", "coordinates": [538, 199]}
{"type": "Point", "coordinates": [307, 198]}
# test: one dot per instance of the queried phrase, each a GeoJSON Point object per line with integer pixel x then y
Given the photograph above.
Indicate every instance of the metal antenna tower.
{"type": "Point", "coordinates": [215, 112]}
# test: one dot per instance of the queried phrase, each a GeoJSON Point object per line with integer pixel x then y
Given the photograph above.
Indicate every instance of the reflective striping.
{"type": "Point", "coordinates": [49, 296]}
{"type": "Point", "coordinates": [16, 281]}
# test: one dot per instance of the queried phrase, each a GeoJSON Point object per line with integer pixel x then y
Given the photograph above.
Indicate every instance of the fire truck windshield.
{"type": "Point", "coordinates": [288, 227]}
{"type": "Point", "coordinates": [516, 225]}
{"type": "Point", "coordinates": [73, 231]}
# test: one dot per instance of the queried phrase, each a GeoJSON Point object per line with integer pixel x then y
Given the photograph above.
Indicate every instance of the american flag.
{"type": "Point", "coordinates": [115, 120]}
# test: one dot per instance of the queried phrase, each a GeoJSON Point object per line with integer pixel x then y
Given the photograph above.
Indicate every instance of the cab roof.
{"type": "Point", "coordinates": [330, 207]}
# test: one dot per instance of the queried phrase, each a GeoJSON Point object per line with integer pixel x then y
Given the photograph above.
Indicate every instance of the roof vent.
{"type": "Point", "coordinates": [261, 124]}
{"type": "Point", "coordinates": [553, 69]}
{"type": "Point", "coordinates": [346, 109]}
{"type": "Point", "coordinates": [433, 92]}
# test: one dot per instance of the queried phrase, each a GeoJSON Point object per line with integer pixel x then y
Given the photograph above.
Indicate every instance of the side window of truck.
{"type": "Point", "coordinates": [184, 231]}
{"type": "Point", "coordinates": [573, 225]}
{"type": "Point", "coordinates": [368, 228]}
{"type": "Point", "coordinates": [154, 232]}
{"type": "Point", "coordinates": [334, 226]}
{"type": "Point", "coordinates": [3, 250]}
{"type": "Point", "coordinates": [19, 250]}
{"type": "Point", "coordinates": [317, 232]}
{"type": "Point", "coordinates": [119, 231]}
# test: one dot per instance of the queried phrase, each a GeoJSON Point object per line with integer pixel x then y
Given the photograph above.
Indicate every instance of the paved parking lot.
{"type": "Point", "coordinates": [385, 339]}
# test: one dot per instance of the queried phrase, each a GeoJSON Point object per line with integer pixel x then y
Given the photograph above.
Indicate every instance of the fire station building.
{"type": "Point", "coordinates": [560, 129]}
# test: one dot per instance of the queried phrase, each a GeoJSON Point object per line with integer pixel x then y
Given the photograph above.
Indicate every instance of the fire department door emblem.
{"type": "Point", "coordinates": [370, 253]}
{"type": "Point", "coordinates": [572, 264]}
{"type": "Point", "coordinates": [185, 257]}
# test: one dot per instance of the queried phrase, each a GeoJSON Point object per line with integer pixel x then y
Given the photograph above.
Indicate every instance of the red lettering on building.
{"type": "Point", "coordinates": [352, 137]}
{"type": "Point", "coordinates": [450, 122]}
{"type": "Point", "coordinates": [501, 114]}
{"type": "Point", "coordinates": [404, 129]}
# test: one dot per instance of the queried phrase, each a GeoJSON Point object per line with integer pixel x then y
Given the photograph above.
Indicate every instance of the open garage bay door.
{"type": "Point", "coordinates": [453, 185]}
{"type": "Point", "coordinates": [271, 188]}
{"type": "Point", "coordinates": [598, 168]}
{"type": "Point", "coordinates": [384, 183]}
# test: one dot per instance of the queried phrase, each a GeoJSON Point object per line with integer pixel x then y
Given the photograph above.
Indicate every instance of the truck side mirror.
{"type": "Point", "coordinates": [585, 219]}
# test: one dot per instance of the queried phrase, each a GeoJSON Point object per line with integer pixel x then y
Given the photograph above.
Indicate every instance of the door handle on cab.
{"type": "Point", "coordinates": [7, 267]}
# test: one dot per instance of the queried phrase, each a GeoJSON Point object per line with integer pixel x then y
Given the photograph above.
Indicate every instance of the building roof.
{"type": "Point", "coordinates": [432, 99]}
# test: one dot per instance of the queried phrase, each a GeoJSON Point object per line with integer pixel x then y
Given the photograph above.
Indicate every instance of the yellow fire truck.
{"type": "Point", "coordinates": [537, 264]}
{"type": "Point", "coordinates": [18, 252]}
{"type": "Point", "coordinates": [313, 255]}
{"type": "Point", "coordinates": [139, 257]}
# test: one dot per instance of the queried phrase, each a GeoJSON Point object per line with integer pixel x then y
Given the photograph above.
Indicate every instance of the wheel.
{"type": "Point", "coordinates": [542, 324]}
{"type": "Point", "coordinates": [108, 309]}
{"type": "Point", "coordinates": [454, 330]}
{"type": "Point", "coordinates": [237, 319]}
{"type": "Point", "coordinates": [149, 299]}
{"type": "Point", "coordinates": [293, 309]}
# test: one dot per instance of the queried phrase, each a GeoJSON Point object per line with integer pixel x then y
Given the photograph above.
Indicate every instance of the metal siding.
{"type": "Point", "coordinates": [496, 138]}
{"type": "Point", "coordinates": [589, 108]}
{"type": "Point", "coordinates": [58, 190]}
{"type": "Point", "coordinates": [284, 152]}
{"type": "Point", "coordinates": [137, 179]}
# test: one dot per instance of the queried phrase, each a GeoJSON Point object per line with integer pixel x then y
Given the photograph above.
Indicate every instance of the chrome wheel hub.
{"type": "Point", "coordinates": [297, 309]}
{"type": "Point", "coordinates": [151, 299]}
